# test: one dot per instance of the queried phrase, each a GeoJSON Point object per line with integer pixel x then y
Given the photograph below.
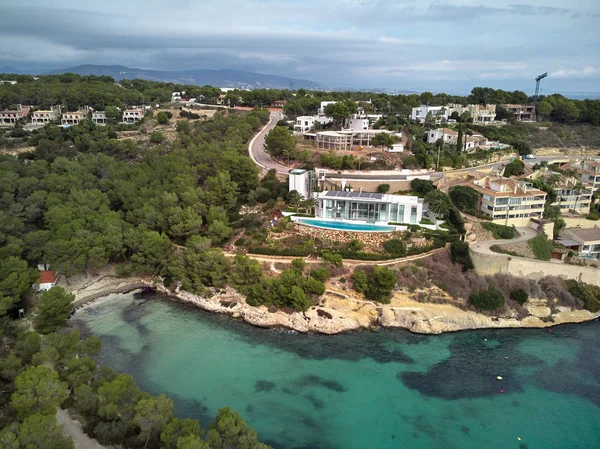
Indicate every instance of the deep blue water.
{"type": "Point", "coordinates": [391, 389]}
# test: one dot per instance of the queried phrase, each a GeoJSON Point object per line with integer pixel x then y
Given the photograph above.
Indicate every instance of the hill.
{"type": "Point", "coordinates": [221, 78]}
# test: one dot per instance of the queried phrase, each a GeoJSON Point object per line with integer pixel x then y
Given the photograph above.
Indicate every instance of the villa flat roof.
{"type": "Point", "coordinates": [340, 194]}
{"type": "Point", "coordinates": [370, 197]}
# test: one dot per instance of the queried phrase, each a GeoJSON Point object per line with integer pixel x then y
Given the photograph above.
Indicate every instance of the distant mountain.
{"type": "Point", "coordinates": [218, 78]}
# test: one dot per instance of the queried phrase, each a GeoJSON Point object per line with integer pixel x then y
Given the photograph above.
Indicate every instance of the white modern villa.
{"type": "Point", "coordinates": [369, 207]}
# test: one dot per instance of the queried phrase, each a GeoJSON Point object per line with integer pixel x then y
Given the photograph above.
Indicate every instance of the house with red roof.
{"type": "Point", "coordinates": [47, 280]}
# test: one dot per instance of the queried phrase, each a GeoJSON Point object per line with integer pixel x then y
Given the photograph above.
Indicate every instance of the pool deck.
{"type": "Point", "coordinates": [346, 226]}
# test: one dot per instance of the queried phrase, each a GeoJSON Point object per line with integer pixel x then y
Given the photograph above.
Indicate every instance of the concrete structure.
{"type": "Point", "coordinates": [73, 118]}
{"type": "Point", "coordinates": [508, 201]}
{"type": "Point", "coordinates": [396, 148]}
{"type": "Point", "coordinates": [369, 207]}
{"type": "Point", "coordinates": [44, 116]}
{"type": "Point", "coordinates": [7, 82]}
{"type": "Point", "coordinates": [356, 122]}
{"type": "Point", "coordinates": [448, 135]}
{"type": "Point", "coordinates": [46, 281]}
{"type": "Point", "coordinates": [305, 123]}
{"type": "Point", "coordinates": [522, 113]}
{"type": "Point", "coordinates": [572, 196]}
{"type": "Point", "coordinates": [11, 117]}
{"type": "Point", "coordinates": [438, 113]}
{"type": "Point", "coordinates": [586, 242]}
{"type": "Point", "coordinates": [324, 105]}
{"type": "Point", "coordinates": [99, 118]}
{"type": "Point", "coordinates": [333, 140]}
{"type": "Point", "coordinates": [302, 181]}
{"type": "Point", "coordinates": [133, 115]}
{"type": "Point", "coordinates": [587, 171]}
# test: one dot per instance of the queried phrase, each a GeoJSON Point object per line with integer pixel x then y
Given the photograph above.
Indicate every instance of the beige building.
{"type": "Point", "coordinates": [522, 112]}
{"type": "Point", "coordinates": [572, 196]}
{"type": "Point", "coordinates": [585, 241]}
{"type": "Point", "coordinates": [508, 201]}
{"type": "Point", "coordinates": [133, 115]}
{"type": "Point", "coordinates": [99, 118]}
{"type": "Point", "coordinates": [587, 171]}
{"type": "Point", "coordinates": [44, 116]}
{"type": "Point", "coordinates": [74, 118]}
{"type": "Point", "coordinates": [11, 117]}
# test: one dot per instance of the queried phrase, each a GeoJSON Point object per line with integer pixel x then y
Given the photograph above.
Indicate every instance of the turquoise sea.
{"type": "Point", "coordinates": [364, 390]}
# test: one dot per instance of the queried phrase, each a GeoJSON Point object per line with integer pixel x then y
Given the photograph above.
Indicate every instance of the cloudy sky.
{"type": "Point", "coordinates": [426, 45]}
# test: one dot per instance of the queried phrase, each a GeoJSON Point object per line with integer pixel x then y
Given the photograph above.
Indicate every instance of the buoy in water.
{"type": "Point", "coordinates": [499, 377]}
{"type": "Point", "coordinates": [519, 438]}
{"type": "Point", "coordinates": [506, 358]}
{"type": "Point", "coordinates": [501, 391]}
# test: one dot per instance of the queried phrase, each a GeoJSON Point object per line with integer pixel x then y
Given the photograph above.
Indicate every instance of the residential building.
{"type": "Point", "coordinates": [508, 201]}
{"type": "Point", "coordinates": [480, 114]}
{"type": "Point", "coordinates": [43, 116]}
{"type": "Point", "coordinates": [221, 99]}
{"type": "Point", "coordinates": [587, 171]}
{"type": "Point", "coordinates": [448, 135]}
{"type": "Point", "coordinates": [324, 105]}
{"type": "Point", "coordinates": [305, 123]}
{"type": "Point", "coordinates": [133, 115]}
{"type": "Point", "coordinates": [46, 281]}
{"type": "Point", "coordinates": [99, 118]}
{"type": "Point", "coordinates": [396, 148]}
{"type": "Point", "coordinates": [572, 196]}
{"type": "Point", "coordinates": [11, 117]}
{"type": "Point", "coordinates": [522, 113]}
{"type": "Point", "coordinates": [369, 207]}
{"type": "Point", "coordinates": [585, 241]}
{"type": "Point", "coordinates": [73, 118]}
{"type": "Point", "coordinates": [279, 103]}
{"type": "Point", "coordinates": [438, 113]}
{"type": "Point", "coordinates": [356, 122]}
{"type": "Point", "coordinates": [177, 96]}
{"type": "Point", "coordinates": [302, 181]}
{"type": "Point", "coordinates": [8, 82]}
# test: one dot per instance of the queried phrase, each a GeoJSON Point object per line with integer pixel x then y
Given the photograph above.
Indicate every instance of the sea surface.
{"type": "Point", "coordinates": [363, 390]}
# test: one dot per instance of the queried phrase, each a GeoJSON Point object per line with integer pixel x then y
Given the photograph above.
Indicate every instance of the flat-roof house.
{"type": "Point", "coordinates": [99, 117]}
{"type": "Point", "coordinates": [369, 207]}
{"type": "Point", "coordinates": [133, 115]}
{"type": "Point", "coordinates": [302, 181]}
{"type": "Point", "coordinates": [522, 112]}
{"type": "Point", "coordinates": [438, 113]}
{"type": "Point", "coordinates": [305, 123]}
{"type": "Point", "coordinates": [585, 241]}
{"type": "Point", "coordinates": [356, 122]}
{"type": "Point", "coordinates": [43, 116]}
{"type": "Point", "coordinates": [10, 117]}
{"type": "Point", "coordinates": [47, 280]}
{"type": "Point", "coordinates": [448, 135]}
{"type": "Point", "coordinates": [508, 201]}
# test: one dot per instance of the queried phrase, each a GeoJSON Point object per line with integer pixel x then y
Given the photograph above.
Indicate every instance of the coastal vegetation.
{"type": "Point", "coordinates": [500, 231]}
{"type": "Point", "coordinates": [541, 247]}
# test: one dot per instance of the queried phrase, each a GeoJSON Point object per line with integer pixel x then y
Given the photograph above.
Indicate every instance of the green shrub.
{"type": "Point", "coordinates": [298, 264]}
{"type": "Point", "coordinates": [421, 186]}
{"type": "Point", "coordinates": [500, 231]}
{"type": "Point", "coordinates": [332, 258]}
{"type": "Point", "coordinates": [279, 251]}
{"type": "Point", "coordinates": [465, 198]}
{"type": "Point", "coordinates": [490, 299]}
{"type": "Point", "coordinates": [156, 137]}
{"type": "Point", "coordinates": [541, 247]}
{"type": "Point", "coordinates": [240, 242]}
{"type": "Point", "coordinates": [321, 274]}
{"type": "Point", "coordinates": [124, 270]}
{"type": "Point", "coordinates": [519, 295]}
{"type": "Point", "coordinates": [359, 281]}
{"type": "Point", "coordinates": [381, 283]}
{"type": "Point", "coordinates": [459, 253]}
{"type": "Point", "coordinates": [587, 293]}
{"type": "Point", "coordinates": [426, 221]}
{"type": "Point", "coordinates": [383, 188]}
{"type": "Point", "coordinates": [355, 245]}
{"type": "Point", "coordinates": [395, 247]}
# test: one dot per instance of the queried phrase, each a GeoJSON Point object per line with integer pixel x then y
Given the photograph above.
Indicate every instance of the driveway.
{"type": "Point", "coordinates": [483, 247]}
{"type": "Point", "coordinates": [257, 147]}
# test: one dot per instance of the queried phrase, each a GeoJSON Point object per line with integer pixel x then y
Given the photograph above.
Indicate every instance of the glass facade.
{"type": "Point", "coordinates": [365, 211]}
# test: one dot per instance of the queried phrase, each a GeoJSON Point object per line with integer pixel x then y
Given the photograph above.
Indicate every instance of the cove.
{"type": "Point", "coordinates": [391, 389]}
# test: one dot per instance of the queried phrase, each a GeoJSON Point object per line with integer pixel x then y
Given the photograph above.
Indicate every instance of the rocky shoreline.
{"type": "Point", "coordinates": [340, 311]}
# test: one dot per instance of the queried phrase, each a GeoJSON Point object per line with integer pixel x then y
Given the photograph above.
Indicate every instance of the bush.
{"type": "Point", "coordinates": [519, 295]}
{"type": "Point", "coordinates": [381, 283]}
{"type": "Point", "coordinates": [490, 299]}
{"type": "Point", "coordinates": [157, 137]}
{"type": "Point", "coordinates": [320, 274]}
{"type": "Point", "coordinates": [587, 293]}
{"type": "Point", "coordinates": [541, 247]}
{"type": "Point", "coordinates": [332, 258]}
{"type": "Point", "coordinates": [395, 247]}
{"type": "Point", "coordinates": [240, 242]}
{"type": "Point", "coordinates": [514, 168]}
{"type": "Point", "coordinates": [355, 245]}
{"type": "Point", "coordinates": [359, 281]}
{"type": "Point", "coordinates": [459, 253]}
{"type": "Point", "coordinates": [383, 188]}
{"type": "Point", "coordinates": [421, 186]}
{"type": "Point", "coordinates": [298, 264]}
{"type": "Point", "coordinates": [500, 231]}
{"type": "Point", "coordinates": [124, 270]}
{"type": "Point", "coordinates": [465, 198]}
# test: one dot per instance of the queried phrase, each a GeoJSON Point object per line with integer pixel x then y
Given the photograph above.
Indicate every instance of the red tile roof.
{"type": "Point", "coordinates": [47, 277]}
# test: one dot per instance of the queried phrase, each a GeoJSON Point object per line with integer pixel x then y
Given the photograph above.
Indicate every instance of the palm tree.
{"type": "Point", "coordinates": [294, 199]}
{"type": "Point", "coordinates": [308, 205]}
{"type": "Point", "coordinates": [439, 203]}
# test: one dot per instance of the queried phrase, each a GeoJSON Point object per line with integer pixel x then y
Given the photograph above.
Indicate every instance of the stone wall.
{"type": "Point", "coordinates": [487, 264]}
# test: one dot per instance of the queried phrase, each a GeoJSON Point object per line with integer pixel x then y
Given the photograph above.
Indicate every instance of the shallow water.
{"type": "Point", "coordinates": [391, 389]}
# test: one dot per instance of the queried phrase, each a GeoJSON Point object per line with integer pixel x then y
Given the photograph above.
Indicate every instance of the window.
{"type": "Point", "coordinates": [514, 201]}
{"type": "Point", "coordinates": [413, 214]}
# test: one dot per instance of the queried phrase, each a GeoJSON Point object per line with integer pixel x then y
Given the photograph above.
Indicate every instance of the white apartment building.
{"type": "Point", "coordinates": [438, 113]}
{"type": "Point", "coordinates": [305, 123]}
{"type": "Point", "coordinates": [509, 201]}
{"type": "Point", "coordinates": [448, 135]}
{"type": "Point", "coordinates": [99, 118]}
{"type": "Point", "coordinates": [133, 115]}
{"type": "Point", "coordinates": [44, 116]}
{"type": "Point", "coordinates": [369, 207]}
{"type": "Point", "coordinates": [11, 117]}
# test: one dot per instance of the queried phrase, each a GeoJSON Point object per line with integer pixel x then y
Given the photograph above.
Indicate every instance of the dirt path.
{"type": "Point", "coordinates": [72, 428]}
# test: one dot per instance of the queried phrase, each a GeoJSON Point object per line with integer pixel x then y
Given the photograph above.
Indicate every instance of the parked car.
{"type": "Point", "coordinates": [530, 156]}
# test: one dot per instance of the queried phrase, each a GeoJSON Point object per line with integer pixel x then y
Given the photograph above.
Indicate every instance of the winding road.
{"type": "Point", "coordinates": [257, 147]}
{"type": "Point", "coordinates": [483, 247]}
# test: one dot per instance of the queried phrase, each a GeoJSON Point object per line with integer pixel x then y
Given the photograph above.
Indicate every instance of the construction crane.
{"type": "Point", "coordinates": [538, 79]}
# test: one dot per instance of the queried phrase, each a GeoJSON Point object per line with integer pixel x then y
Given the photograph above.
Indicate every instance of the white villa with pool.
{"type": "Point", "coordinates": [368, 208]}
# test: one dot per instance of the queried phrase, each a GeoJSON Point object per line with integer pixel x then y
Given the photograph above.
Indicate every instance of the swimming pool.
{"type": "Point", "coordinates": [343, 226]}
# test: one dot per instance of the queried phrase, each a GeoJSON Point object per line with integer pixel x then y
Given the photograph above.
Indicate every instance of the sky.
{"type": "Point", "coordinates": [426, 45]}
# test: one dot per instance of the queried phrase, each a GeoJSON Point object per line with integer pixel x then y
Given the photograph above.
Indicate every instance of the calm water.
{"type": "Point", "coordinates": [340, 225]}
{"type": "Point", "coordinates": [363, 390]}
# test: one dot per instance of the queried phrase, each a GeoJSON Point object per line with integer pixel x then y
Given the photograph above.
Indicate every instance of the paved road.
{"type": "Point", "coordinates": [257, 147]}
{"type": "Point", "coordinates": [484, 246]}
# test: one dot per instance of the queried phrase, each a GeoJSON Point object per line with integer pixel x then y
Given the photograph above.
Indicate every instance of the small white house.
{"type": "Point", "coordinates": [324, 105]}
{"type": "Point", "coordinates": [356, 123]}
{"type": "Point", "coordinates": [396, 148]}
{"type": "Point", "coordinates": [446, 134]}
{"type": "Point", "coordinates": [46, 281]}
{"type": "Point", "coordinates": [176, 96]}
{"type": "Point", "coordinates": [305, 123]}
{"type": "Point", "coordinates": [438, 113]}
